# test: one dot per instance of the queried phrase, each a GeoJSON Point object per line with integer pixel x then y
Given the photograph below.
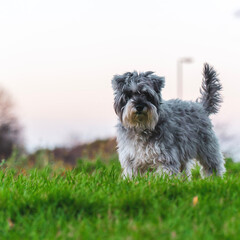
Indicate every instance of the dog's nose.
{"type": "Point", "coordinates": [139, 108]}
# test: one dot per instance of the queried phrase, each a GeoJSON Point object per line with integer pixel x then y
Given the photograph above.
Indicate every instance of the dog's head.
{"type": "Point", "coordinates": [138, 99]}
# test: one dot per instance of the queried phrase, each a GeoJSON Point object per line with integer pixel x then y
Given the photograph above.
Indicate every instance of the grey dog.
{"type": "Point", "coordinates": [166, 136]}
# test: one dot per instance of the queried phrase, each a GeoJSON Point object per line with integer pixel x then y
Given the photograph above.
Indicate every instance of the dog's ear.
{"type": "Point", "coordinates": [158, 82]}
{"type": "Point", "coordinates": [118, 81]}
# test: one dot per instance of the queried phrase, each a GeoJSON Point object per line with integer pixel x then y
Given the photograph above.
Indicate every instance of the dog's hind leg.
{"type": "Point", "coordinates": [211, 159]}
{"type": "Point", "coordinates": [212, 165]}
{"type": "Point", "coordinates": [186, 168]}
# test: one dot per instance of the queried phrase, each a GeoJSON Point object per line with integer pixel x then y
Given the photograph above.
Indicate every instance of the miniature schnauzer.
{"type": "Point", "coordinates": [166, 136]}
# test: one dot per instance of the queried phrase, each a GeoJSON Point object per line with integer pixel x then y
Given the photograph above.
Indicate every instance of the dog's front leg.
{"type": "Point", "coordinates": [127, 165]}
{"type": "Point", "coordinates": [128, 172]}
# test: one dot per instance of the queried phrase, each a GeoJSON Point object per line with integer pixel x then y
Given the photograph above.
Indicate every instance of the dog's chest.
{"type": "Point", "coordinates": [141, 152]}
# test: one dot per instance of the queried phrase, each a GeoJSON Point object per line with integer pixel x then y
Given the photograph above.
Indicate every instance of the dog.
{"type": "Point", "coordinates": [166, 136]}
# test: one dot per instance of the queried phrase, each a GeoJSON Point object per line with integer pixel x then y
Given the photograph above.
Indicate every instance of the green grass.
{"type": "Point", "coordinates": [93, 202]}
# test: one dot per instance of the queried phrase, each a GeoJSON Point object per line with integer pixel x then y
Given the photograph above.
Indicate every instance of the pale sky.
{"type": "Point", "coordinates": [57, 58]}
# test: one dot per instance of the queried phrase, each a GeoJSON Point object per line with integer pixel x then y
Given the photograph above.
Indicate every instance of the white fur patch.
{"type": "Point", "coordinates": [137, 155]}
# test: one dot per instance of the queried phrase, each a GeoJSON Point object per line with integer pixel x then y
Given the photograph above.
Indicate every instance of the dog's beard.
{"type": "Point", "coordinates": [146, 120]}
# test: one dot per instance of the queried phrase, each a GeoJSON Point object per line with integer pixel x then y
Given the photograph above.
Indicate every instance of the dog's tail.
{"type": "Point", "coordinates": [210, 91]}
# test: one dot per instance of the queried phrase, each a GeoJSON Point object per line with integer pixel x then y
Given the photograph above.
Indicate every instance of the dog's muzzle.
{"type": "Point", "coordinates": [139, 115]}
{"type": "Point", "coordinates": [140, 108]}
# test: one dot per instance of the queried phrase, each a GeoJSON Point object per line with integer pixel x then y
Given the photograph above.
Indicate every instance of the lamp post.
{"type": "Point", "coordinates": [180, 75]}
{"type": "Point", "coordinates": [237, 13]}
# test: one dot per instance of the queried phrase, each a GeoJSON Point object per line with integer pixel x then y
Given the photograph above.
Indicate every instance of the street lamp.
{"type": "Point", "coordinates": [237, 13]}
{"type": "Point", "coordinates": [180, 75]}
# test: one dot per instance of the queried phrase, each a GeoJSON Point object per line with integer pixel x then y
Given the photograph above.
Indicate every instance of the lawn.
{"type": "Point", "coordinates": [93, 202]}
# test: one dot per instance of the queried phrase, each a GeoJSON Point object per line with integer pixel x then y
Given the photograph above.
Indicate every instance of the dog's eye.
{"type": "Point", "coordinates": [148, 96]}
{"type": "Point", "coordinates": [128, 95]}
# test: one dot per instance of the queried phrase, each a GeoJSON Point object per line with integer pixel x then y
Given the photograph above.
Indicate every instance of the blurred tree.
{"type": "Point", "coordinates": [10, 130]}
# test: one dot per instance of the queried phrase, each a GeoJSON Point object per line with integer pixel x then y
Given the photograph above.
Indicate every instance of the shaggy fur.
{"type": "Point", "coordinates": [166, 136]}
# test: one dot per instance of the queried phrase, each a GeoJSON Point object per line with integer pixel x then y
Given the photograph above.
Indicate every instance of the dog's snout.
{"type": "Point", "coordinates": [139, 107]}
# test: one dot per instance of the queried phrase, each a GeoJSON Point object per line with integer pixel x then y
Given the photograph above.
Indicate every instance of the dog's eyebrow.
{"type": "Point", "coordinates": [127, 90]}
{"type": "Point", "coordinates": [144, 89]}
{"type": "Point", "coordinates": [148, 91]}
